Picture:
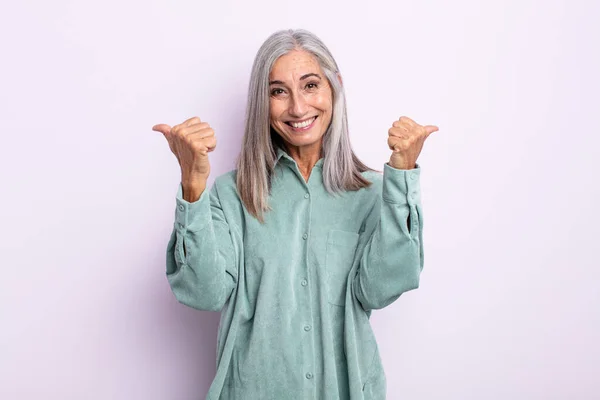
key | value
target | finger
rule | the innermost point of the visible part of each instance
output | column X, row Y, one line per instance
column 207, row 145
column 408, row 121
column 196, row 128
column 398, row 132
column 395, row 145
column 191, row 121
column 401, row 127
column 429, row 129
column 162, row 128
column 211, row 143
column 200, row 133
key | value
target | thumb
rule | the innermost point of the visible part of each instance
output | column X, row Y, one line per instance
column 430, row 129
column 162, row 128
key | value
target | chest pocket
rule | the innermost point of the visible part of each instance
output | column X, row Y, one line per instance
column 341, row 246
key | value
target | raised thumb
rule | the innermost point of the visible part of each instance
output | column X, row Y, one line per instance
column 430, row 129
column 162, row 128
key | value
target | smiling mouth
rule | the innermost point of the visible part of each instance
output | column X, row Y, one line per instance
column 303, row 126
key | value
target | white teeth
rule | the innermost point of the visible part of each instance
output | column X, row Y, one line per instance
column 302, row 124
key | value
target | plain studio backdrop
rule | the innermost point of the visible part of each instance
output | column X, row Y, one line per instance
column 509, row 301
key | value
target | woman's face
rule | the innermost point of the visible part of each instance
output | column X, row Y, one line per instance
column 300, row 100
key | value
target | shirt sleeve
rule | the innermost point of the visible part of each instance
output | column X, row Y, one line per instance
column 392, row 259
column 201, row 264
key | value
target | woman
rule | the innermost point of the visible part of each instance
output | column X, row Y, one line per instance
column 301, row 241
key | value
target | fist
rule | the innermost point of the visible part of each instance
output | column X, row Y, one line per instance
column 406, row 139
column 190, row 141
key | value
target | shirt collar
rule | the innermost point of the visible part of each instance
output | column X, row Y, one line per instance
column 287, row 158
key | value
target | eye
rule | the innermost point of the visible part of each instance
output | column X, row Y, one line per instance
column 275, row 92
column 312, row 85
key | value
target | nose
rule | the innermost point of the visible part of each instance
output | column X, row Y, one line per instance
column 297, row 106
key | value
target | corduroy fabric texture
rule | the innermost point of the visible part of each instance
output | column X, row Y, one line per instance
column 296, row 293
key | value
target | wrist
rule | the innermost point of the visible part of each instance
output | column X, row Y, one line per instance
column 401, row 165
column 192, row 190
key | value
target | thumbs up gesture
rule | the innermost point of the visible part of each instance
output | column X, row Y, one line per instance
column 406, row 139
column 190, row 141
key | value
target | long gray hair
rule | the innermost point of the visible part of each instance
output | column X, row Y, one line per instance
column 255, row 164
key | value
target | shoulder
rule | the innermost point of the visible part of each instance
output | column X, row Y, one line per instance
column 226, row 182
column 226, row 179
column 376, row 179
column 366, row 196
column 225, row 187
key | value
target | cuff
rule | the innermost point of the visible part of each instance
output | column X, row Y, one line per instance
column 401, row 186
column 192, row 216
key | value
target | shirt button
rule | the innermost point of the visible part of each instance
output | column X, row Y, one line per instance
column 305, row 236
column 307, row 328
column 309, row 375
column 306, row 195
column 181, row 226
column 181, row 207
column 304, row 282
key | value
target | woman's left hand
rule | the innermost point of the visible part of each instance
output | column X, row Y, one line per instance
column 406, row 139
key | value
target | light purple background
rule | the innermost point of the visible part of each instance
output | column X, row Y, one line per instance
column 509, row 303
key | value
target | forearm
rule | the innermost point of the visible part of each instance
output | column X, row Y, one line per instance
column 392, row 259
column 200, row 257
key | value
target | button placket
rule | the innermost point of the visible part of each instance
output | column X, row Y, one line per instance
column 307, row 338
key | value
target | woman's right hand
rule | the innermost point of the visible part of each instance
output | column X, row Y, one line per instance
column 191, row 141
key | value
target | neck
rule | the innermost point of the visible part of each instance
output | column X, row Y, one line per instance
column 305, row 156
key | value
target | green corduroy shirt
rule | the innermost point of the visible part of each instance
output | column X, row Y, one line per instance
column 296, row 293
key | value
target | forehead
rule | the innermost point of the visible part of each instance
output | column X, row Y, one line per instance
column 293, row 65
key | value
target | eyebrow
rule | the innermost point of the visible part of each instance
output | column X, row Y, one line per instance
column 301, row 78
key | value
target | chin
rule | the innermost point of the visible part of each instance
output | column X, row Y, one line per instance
column 303, row 139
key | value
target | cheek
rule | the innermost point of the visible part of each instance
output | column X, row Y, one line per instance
column 274, row 111
column 324, row 103
column 327, row 112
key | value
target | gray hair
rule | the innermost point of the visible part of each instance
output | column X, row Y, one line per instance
column 256, row 162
